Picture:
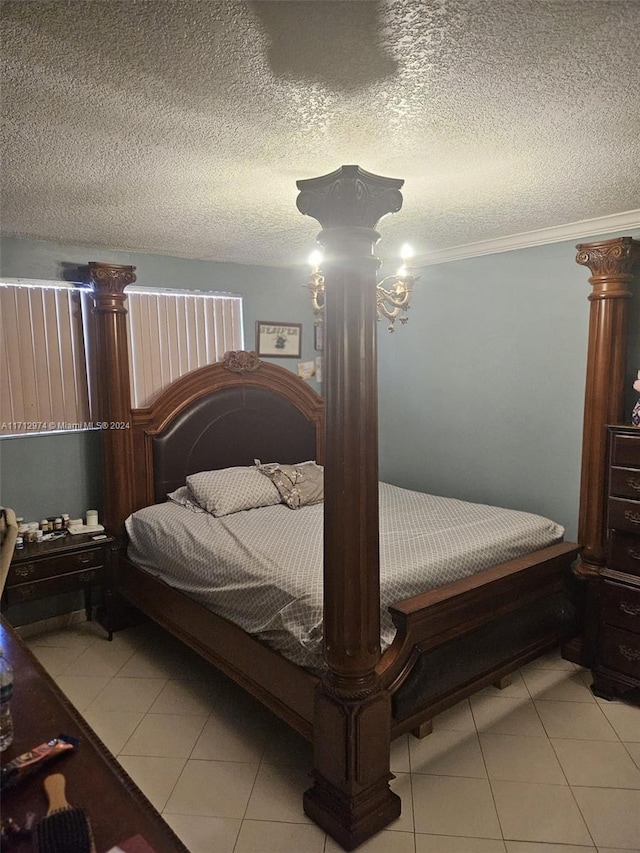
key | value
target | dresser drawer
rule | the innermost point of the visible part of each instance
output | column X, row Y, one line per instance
column 624, row 553
column 49, row 567
column 625, row 450
column 625, row 483
column 624, row 515
column 621, row 606
column 620, row 651
column 52, row 586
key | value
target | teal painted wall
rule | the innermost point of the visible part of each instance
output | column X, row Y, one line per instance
column 481, row 393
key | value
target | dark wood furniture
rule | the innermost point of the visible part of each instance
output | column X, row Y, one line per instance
column 117, row 809
column 616, row 669
column 73, row 562
column 450, row 641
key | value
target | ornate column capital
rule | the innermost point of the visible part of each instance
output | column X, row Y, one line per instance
column 349, row 197
column 612, row 264
column 109, row 282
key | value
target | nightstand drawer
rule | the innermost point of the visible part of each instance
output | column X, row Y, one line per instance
column 625, row 483
column 52, row 586
column 620, row 651
column 34, row 570
column 624, row 553
column 625, row 450
column 624, row 515
column 621, row 606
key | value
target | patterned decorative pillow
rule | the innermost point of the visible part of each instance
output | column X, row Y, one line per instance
column 183, row 497
column 232, row 490
column 299, row 485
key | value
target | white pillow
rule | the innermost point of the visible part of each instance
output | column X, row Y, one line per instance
column 232, row 490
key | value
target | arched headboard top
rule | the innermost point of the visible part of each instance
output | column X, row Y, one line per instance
column 222, row 415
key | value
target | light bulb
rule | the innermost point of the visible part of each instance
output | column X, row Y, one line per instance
column 315, row 259
column 406, row 252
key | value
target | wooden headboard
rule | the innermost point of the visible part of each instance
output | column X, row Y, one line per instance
column 222, row 415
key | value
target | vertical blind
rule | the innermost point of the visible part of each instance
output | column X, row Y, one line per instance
column 43, row 380
column 172, row 333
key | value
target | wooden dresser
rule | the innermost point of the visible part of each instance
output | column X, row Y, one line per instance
column 616, row 670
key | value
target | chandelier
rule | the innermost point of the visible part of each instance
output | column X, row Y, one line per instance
column 393, row 293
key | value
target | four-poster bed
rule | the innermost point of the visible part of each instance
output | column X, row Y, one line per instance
column 450, row 641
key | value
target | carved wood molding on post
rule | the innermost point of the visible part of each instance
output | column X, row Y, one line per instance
column 112, row 394
column 351, row 798
column 613, row 264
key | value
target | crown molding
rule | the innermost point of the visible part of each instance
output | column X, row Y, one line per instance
column 557, row 234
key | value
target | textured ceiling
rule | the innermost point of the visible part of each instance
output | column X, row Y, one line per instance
column 181, row 126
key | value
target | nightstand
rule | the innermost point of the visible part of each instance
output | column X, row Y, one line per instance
column 70, row 563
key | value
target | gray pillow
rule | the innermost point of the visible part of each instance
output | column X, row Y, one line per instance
column 232, row 490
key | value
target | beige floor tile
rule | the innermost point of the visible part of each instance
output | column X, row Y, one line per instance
column 128, row 694
column 166, row 735
column 185, row 696
column 552, row 684
column 634, row 751
column 534, row 812
column 521, row 759
column 205, row 834
column 229, row 735
column 261, row 836
column 114, row 728
column 552, row 660
column 600, row 763
column 384, row 842
column 155, row 777
column 618, row 850
column 506, row 716
column 448, row 753
column 453, row 844
column 579, row 720
column 285, row 746
column 402, row 785
column 625, row 719
column 101, row 658
column 81, row 690
column 277, row 794
column 74, row 637
column 457, row 718
column 444, row 805
column 535, row 847
column 516, row 690
column 400, row 754
column 612, row 815
column 146, row 664
column 56, row 660
column 213, row 789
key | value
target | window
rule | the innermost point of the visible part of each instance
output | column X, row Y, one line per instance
column 43, row 379
column 172, row 332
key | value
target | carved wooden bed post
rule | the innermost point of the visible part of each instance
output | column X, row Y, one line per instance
column 112, row 404
column 612, row 264
column 351, row 798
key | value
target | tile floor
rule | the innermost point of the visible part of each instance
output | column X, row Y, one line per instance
column 540, row 767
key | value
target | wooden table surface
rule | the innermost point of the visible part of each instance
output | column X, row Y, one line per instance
column 116, row 808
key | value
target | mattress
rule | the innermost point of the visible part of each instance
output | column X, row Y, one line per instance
column 262, row 568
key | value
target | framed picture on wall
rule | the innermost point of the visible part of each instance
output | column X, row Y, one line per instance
column 280, row 340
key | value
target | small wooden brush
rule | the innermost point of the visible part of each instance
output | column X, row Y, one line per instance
column 64, row 829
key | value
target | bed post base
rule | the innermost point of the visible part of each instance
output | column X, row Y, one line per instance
column 351, row 799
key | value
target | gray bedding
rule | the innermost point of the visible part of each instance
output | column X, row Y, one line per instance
column 262, row 568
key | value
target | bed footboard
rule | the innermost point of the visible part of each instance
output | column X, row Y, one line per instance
column 455, row 640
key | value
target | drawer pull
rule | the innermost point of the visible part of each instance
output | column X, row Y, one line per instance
column 26, row 571
column 630, row 609
column 634, row 483
column 635, row 555
column 84, row 559
column 633, row 517
column 629, row 653
column 26, row 591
